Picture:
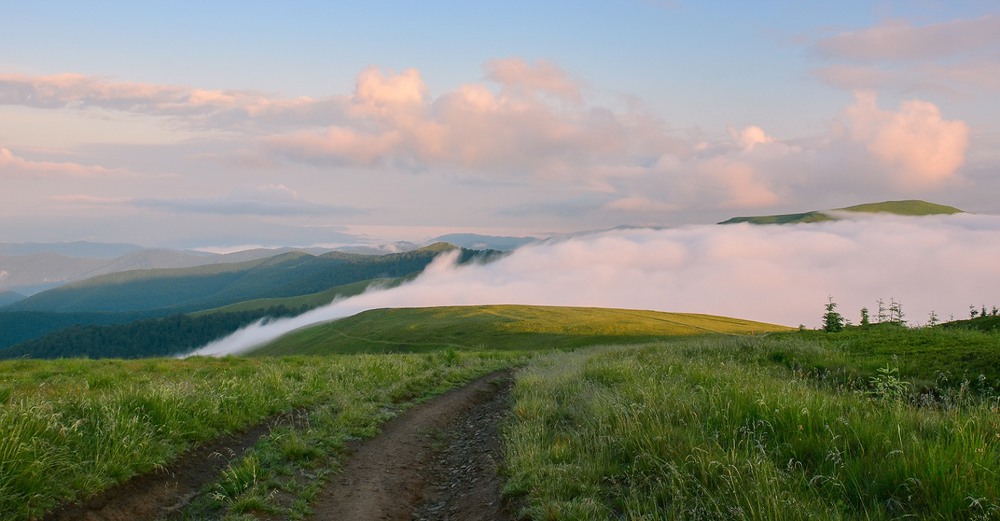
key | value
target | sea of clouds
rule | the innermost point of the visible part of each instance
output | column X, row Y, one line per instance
column 777, row 274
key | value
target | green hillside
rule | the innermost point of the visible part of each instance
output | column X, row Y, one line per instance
column 311, row 300
column 205, row 287
column 499, row 328
column 9, row 297
column 911, row 207
column 21, row 326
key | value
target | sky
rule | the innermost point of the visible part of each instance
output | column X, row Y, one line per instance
column 222, row 124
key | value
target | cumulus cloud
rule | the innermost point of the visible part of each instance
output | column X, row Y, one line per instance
column 748, row 137
column 869, row 153
column 391, row 120
column 777, row 274
column 531, row 123
column 954, row 56
column 16, row 166
column 916, row 143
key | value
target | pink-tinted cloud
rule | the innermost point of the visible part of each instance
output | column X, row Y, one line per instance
column 954, row 57
column 748, row 137
column 390, row 120
column 15, row 166
column 916, row 143
column 187, row 106
column 898, row 40
column 869, row 154
column 544, row 77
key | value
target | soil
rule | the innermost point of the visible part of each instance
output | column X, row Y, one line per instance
column 437, row 461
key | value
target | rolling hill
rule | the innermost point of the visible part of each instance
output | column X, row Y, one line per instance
column 209, row 286
column 221, row 298
column 31, row 271
column 911, row 207
column 499, row 327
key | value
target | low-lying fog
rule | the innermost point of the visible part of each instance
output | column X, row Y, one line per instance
column 778, row 274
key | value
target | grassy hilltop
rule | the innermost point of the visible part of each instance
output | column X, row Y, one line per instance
column 912, row 207
column 500, row 328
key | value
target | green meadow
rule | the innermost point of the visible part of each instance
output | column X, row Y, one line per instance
column 616, row 414
column 725, row 428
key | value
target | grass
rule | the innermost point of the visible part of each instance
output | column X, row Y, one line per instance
column 726, row 428
column 500, row 328
column 914, row 207
column 619, row 414
column 70, row 428
column 930, row 357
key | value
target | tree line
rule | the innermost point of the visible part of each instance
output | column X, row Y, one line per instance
column 166, row 336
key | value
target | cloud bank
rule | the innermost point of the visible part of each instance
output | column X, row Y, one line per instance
column 533, row 123
column 778, row 274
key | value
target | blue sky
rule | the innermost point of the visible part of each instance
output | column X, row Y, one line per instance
column 229, row 123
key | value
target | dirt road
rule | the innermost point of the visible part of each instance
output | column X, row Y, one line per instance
column 437, row 461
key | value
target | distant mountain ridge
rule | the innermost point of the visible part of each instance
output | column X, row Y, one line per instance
column 294, row 281
column 910, row 207
column 213, row 285
column 30, row 268
column 10, row 297
column 34, row 272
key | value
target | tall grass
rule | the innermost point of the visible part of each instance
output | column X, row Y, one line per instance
column 73, row 427
column 713, row 429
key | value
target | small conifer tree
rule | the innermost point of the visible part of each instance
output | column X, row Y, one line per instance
column 832, row 321
column 865, row 319
column 896, row 313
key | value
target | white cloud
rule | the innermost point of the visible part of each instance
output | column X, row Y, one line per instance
column 916, row 143
column 778, row 274
column 748, row 137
